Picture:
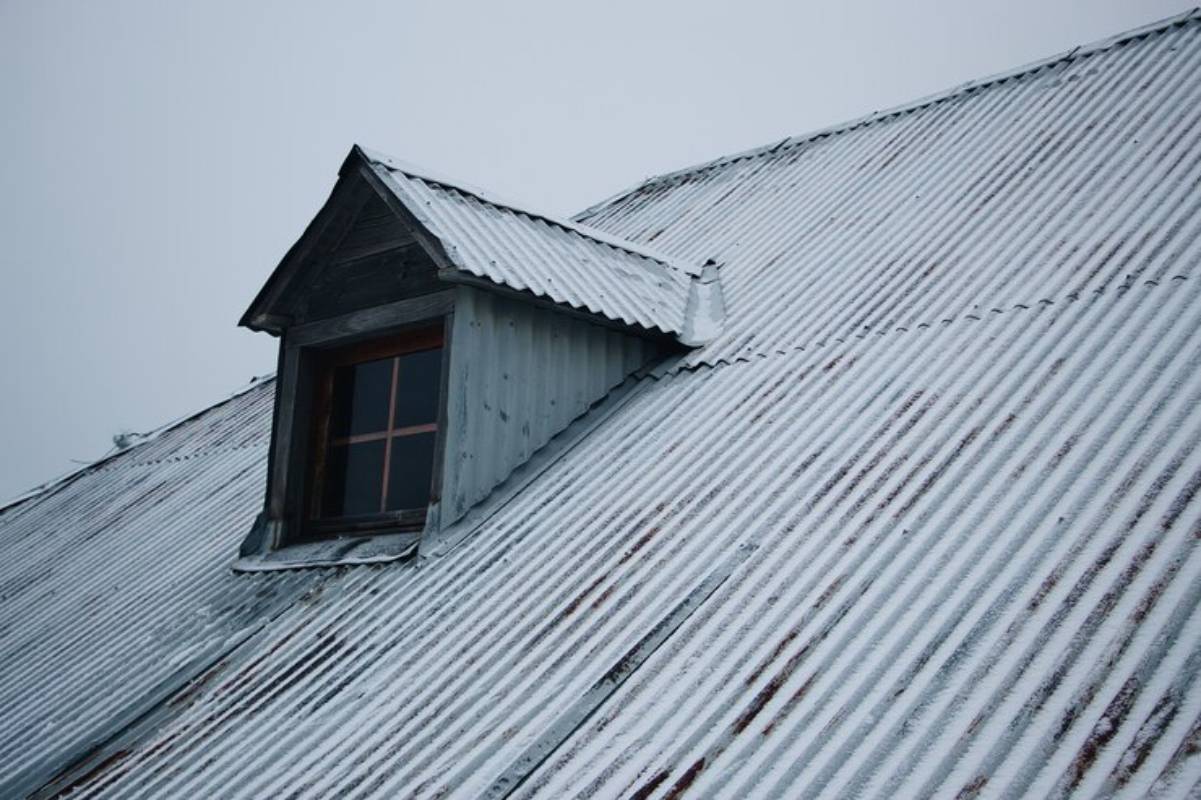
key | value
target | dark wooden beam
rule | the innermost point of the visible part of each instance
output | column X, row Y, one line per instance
column 284, row 433
column 371, row 321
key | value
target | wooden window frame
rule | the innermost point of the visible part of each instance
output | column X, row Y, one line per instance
column 303, row 346
column 314, row 524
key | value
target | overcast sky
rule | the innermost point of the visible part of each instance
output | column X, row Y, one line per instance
column 160, row 157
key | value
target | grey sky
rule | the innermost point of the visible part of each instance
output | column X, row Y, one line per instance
column 161, row 157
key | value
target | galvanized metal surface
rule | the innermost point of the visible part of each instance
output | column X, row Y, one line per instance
column 980, row 571
column 977, row 568
column 115, row 585
column 1073, row 177
column 555, row 259
column 960, row 467
column 519, row 375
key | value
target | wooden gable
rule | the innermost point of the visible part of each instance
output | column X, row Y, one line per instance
column 357, row 253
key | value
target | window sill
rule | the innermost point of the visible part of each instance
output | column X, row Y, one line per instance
column 346, row 551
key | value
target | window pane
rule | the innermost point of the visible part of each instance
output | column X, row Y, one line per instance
column 417, row 388
column 360, row 401
column 353, row 477
column 410, row 471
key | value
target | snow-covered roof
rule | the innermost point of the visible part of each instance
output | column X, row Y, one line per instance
column 922, row 519
column 548, row 257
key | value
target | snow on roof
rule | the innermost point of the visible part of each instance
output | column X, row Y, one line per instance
column 552, row 258
column 923, row 520
column 954, row 93
column 1004, row 194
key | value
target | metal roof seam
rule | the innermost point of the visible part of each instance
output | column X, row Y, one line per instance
column 577, row 714
column 199, row 453
column 690, row 364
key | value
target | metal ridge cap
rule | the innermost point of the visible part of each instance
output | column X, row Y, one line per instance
column 953, row 92
column 428, row 176
column 433, row 176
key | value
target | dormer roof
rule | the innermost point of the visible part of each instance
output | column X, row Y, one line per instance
column 475, row 238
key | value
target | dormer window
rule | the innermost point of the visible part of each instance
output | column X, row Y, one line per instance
column 432, row 340
column 376, row 431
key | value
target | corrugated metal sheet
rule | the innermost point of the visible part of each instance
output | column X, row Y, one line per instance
column 115, row 585
column 555, row 259
column 941, row 539
column 976, row 570
column 980, row 570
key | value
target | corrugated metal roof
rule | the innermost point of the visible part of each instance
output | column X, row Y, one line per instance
column 115, row 584
column 556, row 259
column 976, row 568
column 1072, row 177
column 984, row 566
column 923, row 521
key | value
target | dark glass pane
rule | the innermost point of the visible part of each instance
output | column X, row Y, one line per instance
column 354, row 477
column 360, row 401
column 417, row 388
column 410, row 472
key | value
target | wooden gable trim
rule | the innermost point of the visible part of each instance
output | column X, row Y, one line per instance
column 319, row 239
column 359, row 181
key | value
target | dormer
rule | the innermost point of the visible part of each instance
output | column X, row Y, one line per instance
column 432, row 338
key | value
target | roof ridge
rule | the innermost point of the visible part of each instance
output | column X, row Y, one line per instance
column 570, row 225
column 959, row 90
column 105, row 461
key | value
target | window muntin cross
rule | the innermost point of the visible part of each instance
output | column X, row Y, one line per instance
column 379, row 430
